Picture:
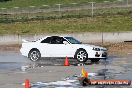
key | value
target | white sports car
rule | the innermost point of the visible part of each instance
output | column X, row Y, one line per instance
column 58, row 46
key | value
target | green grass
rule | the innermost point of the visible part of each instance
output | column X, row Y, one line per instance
column 24, row 17
column 115, row 23
column 27, row 3
column 104, row 20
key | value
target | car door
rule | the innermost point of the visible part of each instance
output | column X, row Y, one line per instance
column 44, row 46
column 56, row 48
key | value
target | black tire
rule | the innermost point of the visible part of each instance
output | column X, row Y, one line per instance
column 81, row 55
column 34, row 55
column 94, row 60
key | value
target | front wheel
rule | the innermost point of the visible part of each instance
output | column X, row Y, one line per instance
column 34, row 55
column 81, row 56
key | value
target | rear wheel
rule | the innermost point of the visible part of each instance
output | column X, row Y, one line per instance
column 81, row 55
column 34, row 55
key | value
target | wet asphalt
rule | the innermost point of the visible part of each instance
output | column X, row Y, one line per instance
column 16, row 62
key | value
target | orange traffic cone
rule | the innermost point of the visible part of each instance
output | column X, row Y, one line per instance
column 84, row 74
column 66, row 63
column 27, row 84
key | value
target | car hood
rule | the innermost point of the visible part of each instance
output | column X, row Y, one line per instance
column 91, row 46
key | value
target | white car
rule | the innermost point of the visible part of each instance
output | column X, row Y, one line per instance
column 58, row 46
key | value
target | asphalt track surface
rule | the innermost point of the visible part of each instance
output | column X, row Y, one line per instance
column 14, row 62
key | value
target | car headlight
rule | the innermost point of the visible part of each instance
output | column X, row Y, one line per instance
column 96, row 49
column 104, row 49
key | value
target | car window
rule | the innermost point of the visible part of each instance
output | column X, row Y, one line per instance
column 73, row 40
column 57, row 40
column 47, row 40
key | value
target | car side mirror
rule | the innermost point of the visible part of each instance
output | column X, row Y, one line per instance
column 65, row 42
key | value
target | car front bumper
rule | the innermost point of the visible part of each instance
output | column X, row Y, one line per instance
column 101, row 54
column 98, row 54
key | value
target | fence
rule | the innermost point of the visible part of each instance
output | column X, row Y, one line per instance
column 58, row 11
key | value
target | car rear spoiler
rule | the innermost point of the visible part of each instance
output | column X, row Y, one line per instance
column 24, row 41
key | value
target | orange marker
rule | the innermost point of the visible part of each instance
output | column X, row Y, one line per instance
column 84, row 74
column 27, row 84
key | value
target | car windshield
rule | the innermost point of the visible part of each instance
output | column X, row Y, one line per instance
column 73, row 40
